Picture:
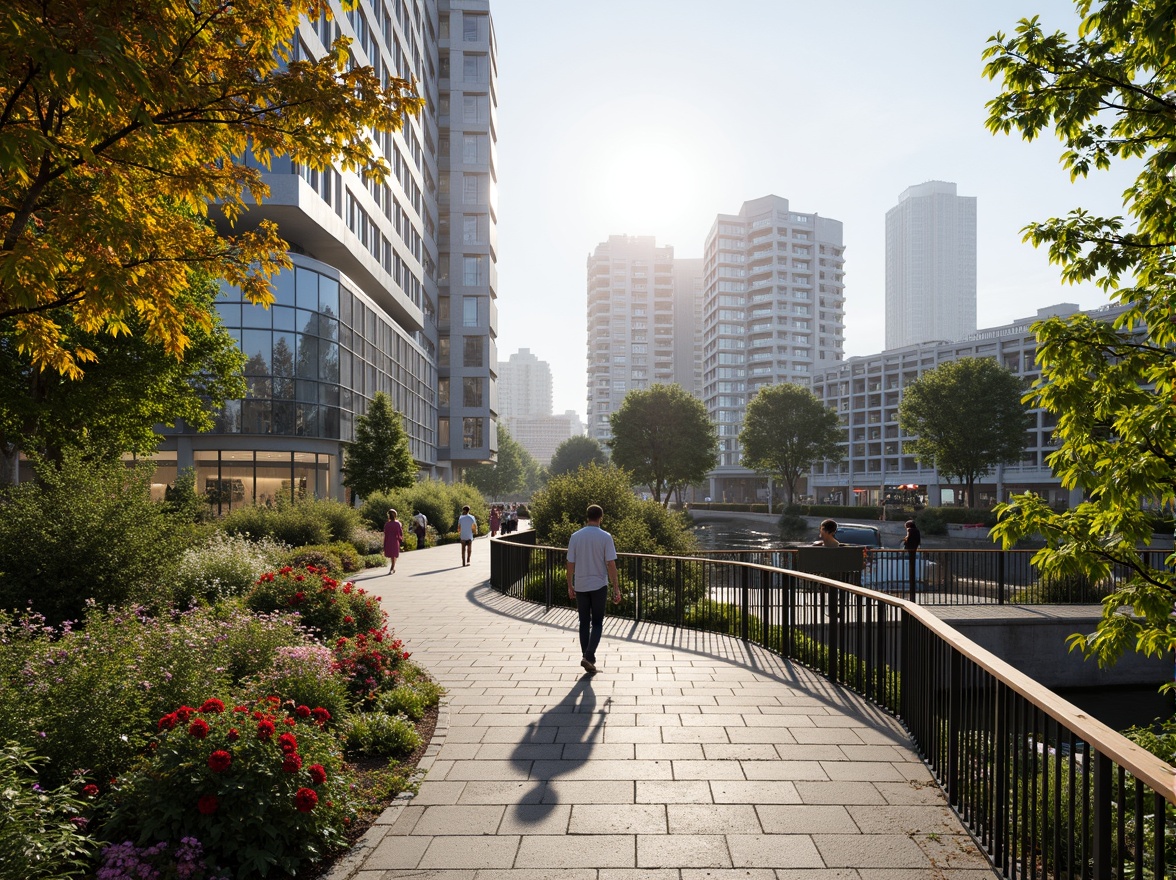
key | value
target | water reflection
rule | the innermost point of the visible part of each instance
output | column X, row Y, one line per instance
column 732, row 534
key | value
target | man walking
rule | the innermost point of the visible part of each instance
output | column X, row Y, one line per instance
column 466, row 525
column 592, row 567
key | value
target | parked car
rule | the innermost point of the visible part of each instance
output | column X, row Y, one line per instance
column 884, row 569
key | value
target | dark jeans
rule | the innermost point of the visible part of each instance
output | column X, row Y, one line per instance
column 591, row 606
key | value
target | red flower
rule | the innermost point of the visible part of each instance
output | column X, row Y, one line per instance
column 287, row 743
column 90, row 790
column 349, row 619
column 305, row 800
column 240, row 708
column 293, row 762
column 207, row 805
column 233, row 734
column 318, row 773
column 265, row 730
column 213, row 706
column 289, row 722
column 302, row 711
column 168, row 721
column 184, row 713
column 198, row 728
column 321, row 715
column 219, row 761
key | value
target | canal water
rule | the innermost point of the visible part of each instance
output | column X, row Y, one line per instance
column 1118, row 707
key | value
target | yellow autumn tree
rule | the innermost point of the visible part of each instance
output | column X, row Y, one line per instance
column 123, row 121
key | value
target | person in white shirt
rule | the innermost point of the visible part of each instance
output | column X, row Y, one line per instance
column 467, row 526
column 421, row 524
column 592, row 567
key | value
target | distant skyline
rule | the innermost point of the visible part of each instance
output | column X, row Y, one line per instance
column 651, row 117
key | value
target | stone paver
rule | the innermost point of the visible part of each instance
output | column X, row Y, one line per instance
column 689, row 756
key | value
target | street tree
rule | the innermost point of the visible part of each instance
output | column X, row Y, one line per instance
column 379, row 459
column 967, row 418
column 663, row 436
column 132, row 387
column 509, row 474
column 575, row 453
column 122, row 123
column 1108, row 95
column 787, row 428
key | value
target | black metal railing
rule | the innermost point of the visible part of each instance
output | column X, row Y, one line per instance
column 1048, row 791
column 963, row 577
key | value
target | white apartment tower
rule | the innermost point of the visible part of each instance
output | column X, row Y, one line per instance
column 930, row 266
column 524, row 387
column 633, row 323
column 773, row 311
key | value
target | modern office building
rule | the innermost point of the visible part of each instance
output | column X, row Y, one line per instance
column 524, row 387
column 773, row 311
column 393, row 286
column 635, row 323
column 930, row 266
column 866, row 392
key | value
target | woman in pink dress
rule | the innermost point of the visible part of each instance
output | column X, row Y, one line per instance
column 495, row 521
column 393, row 535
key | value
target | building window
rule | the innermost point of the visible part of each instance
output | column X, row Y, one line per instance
column 473, row 149
column 472, row 395
column 473, row 351
column 471, row 189
column 475, row 68
column 469, row 311
column 473, row 108
column 471, row 229
column 471, row 433
column 473, row 273
column 472, row 28
column 443, row 391
column 442, row 431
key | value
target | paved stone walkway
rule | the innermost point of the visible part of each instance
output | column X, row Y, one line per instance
column 687, row 756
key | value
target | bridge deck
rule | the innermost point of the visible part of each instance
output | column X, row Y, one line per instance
column 688, row 755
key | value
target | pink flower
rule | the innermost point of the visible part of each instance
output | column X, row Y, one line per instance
column 219, row 761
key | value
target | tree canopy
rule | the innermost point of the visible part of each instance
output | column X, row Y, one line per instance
column 785, row 429
column 132, row 387
column 575, row 453
column 122, row 122
column 510, row 474
column 967, row 417
column 1107, row 94
column 379, row 459
column 664, row 438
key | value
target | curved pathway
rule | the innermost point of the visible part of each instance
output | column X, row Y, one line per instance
column 687, row 756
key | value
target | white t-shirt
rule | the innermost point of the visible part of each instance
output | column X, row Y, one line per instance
column 591, row 549
column 421, row 520
column 467, row 524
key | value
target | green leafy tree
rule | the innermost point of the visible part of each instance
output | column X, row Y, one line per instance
column 132, row 387
column 123, row 123
column 1108, row 95
column 379, row 459
column 664, row 438
column 506, row 476
column 967, row 416
column 785, row 429
column 575, row 453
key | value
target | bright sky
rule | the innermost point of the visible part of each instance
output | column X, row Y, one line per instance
column 650, row 117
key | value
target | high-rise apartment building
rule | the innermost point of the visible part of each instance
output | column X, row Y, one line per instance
column 634, row 323
column 393, row 285
column 930, row 265
column 524, row 387
column 542, row 435
column 773, row 311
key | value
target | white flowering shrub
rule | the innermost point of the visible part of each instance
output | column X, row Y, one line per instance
column 228, row 565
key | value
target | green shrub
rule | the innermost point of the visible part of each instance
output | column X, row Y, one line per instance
column 368, row 541
column 342, row 520
column 297, row 524
column 320, row 557
column 930, row 521
column 305, row 675
column 374, row 560
column 261, row 791
column 38, row 837
column 408, row 700
column 227, row 565
column 379, row 735
column 86, row 530
column 332, row 609
column 636, row 526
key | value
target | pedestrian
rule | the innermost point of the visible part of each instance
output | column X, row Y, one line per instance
column 420, row 527
column 495, row 520
column 393, row 535
column 913, row 537
column 828, row 535
column 467, row 526
column 592, row 567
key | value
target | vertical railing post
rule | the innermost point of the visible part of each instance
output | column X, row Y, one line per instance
column 1002, row 587
column 679, row 595
column 955, row 709
column 745, row 578
column 1102, row 818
